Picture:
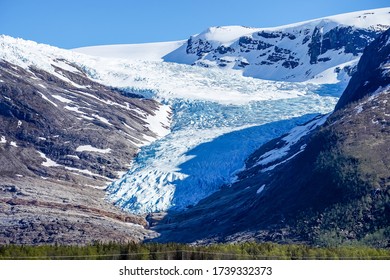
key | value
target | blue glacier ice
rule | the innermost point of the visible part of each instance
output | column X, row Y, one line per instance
column 208, row 145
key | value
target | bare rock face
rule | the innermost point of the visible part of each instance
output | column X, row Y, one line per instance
column 372, row 74
column 38, row 211
column 63, row 138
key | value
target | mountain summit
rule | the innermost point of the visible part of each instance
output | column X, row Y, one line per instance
column 319, row 50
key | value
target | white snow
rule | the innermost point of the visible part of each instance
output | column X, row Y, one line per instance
column 360, row 19
column 289, row 140
column 102, row 119
column 160, row 122
column 259, row 64
column 74, row 109
column 160, row 80
column 260, row 190
column 331, row 76
column 149, row 51
column 73, row 156
column 2, row 140
column 87, row 118
column 89, row 148
column 85, row 171
column 47, row 99
column 62, row 99
column 302, row 148
column 65, row 66
column 13, row 144
column 226, row 35
column 48, row 162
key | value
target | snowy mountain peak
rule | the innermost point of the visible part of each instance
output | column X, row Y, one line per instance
column 225, row 35
column 314, row 50
column 323, row 50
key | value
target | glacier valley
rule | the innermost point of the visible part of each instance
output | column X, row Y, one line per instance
column 208, row 144
column 214, row 114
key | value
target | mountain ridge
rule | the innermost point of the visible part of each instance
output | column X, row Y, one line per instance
column 295, row 52
column 286, row 52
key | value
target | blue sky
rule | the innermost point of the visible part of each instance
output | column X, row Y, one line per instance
column 76, row 23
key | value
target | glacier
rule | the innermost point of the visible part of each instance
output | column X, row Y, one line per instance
column 208, row 145
column 217, row 118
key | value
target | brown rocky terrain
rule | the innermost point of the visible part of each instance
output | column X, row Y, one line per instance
column 63, row 138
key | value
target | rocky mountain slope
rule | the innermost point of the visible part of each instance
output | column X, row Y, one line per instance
column 63, row 138
column 324, row 183
column 320, row 49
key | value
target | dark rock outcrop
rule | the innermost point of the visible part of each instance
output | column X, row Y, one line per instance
column 372, row 72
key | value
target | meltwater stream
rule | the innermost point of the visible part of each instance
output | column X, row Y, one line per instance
column 208, row 145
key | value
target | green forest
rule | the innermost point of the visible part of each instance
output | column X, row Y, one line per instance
column 173, row 251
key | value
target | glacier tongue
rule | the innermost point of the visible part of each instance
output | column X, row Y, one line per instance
column 219, row 118
column 208, row 144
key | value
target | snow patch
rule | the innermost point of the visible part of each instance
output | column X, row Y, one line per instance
column 302, row 148
column 102, row 119
column 89, row 148
column 289, row 140
column 87, row 172
column 73, row 156
column 48, row 162
column 62, row 99
column 74, row 109
column 260, row 190
column 65, row 66
column 47, row 99
column 160, row 122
